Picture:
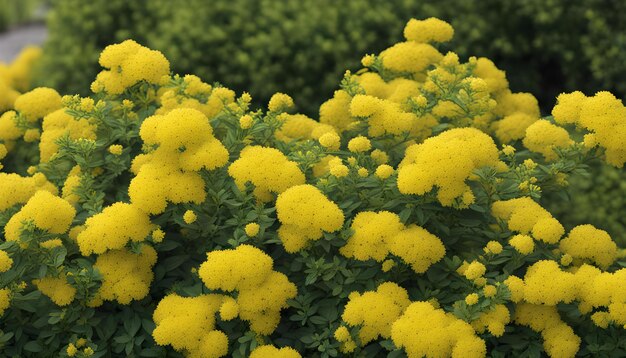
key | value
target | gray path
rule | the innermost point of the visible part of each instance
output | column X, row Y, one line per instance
column 13, row 41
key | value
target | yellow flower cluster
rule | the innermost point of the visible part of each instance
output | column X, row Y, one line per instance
column 9, row 131
column 603, row 115
column 185, row 145
column 126, row 276
column 273, row 352
column 57, row 288
column 543, row 137
column 197, row 95
column 267, row 169
column 589, row 243
column 280, row 102
column 129, row 63
column 428, row 30
column 188, row 324
column 374, row 312
column 15, row 77
column 5, row 261
column 252, row 229
column 546, row 285
column 15, row 189
column 424, row 331
column 525, row 216
column 446, row 162
column 113, row 228
column 5, row 300
column 262, row 292
column 189, row 217
column 301, row 127
column 58, row 124
column 415, row 55
column 493, row 320
column 305, row 214
column 376, row 235
column 559, row 338
column 383, row 116
column 47, row 212
column 37, row 103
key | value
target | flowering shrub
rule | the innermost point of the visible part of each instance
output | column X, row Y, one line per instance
column 164, row 216
column 303, row 46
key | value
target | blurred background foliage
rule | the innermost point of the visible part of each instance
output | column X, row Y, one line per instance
column 15, row 12
column 302, row 47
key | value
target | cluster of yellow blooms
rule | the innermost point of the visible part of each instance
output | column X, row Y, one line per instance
column 184, row 144
column 559, row 338
column 195, row 94
column 543, row 137
column 602, row 115
column 425, row 331
column 58, row 124
column 46, row 211
column 374, row 312
column 113, row 228
column 30, row 108
column 15, row 189
column 117, row 284
column 525, row 216
column 15, row 77
column 305, row 214
column 188, row 324
column 446, row 162
column 261, row 291
column 267, row 351
column 269, row 170
column 376, row 235
column 128, row 64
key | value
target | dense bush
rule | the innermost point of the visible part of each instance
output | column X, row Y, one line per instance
column 303, row 47
column 13, row 12
column 163, row 216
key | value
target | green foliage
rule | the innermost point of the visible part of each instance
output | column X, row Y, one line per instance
column 14, row 12
column 303, row 46
column 598, row 199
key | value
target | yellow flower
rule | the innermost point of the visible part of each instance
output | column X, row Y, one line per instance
column 474, row 270
column 429, row 30
column 305, row 214
column 116, row 149
column 37, row 103
column 471, row 299
column 489, row 290
column 330, row 140
column 71, row 350
column 189, row 217
column 158, row 235
column 273, row 352
column 252, row 229
column 57, row 288
column 359, row 144
column 456, row 152
column 129, row 63
column 5, row 261
column 280, row 102
column 493, row 247
column 524, row 244
column 245, row 122
column 384, row 171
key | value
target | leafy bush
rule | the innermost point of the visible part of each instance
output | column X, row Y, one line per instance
column 15, row 12
column 163, row 216
column 303, row 47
